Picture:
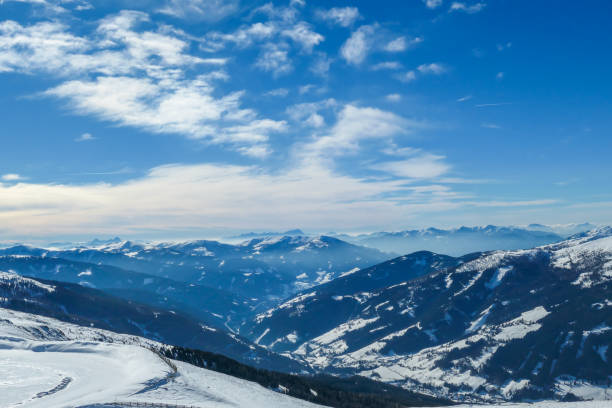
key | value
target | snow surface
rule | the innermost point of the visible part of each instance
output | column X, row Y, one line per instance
column 47, row 363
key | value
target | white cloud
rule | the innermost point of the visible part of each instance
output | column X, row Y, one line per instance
column 356, row 124
column 200, row 10
column 138, row 78
column 85, row 137
column 397, row 45
column 282, row 24
column 492, row 105
column 304, row 89
column 285, row 15
column 144, row 103
column 391, row 65
column 425, row 166
column 179, row 107
column 433, row 68
column 55, row 6
column 460, row 6
column 258, row 151
column 309, row 112
column 488, row 125
column 500, row 75
column 315, row 120
column 256, row 132
column 209, row 195
column 11, row 177
column 432, row 4
column 342, row 16
column 115, row 48
column 402, row 44
column 393, row 97
column 408, row 76
column 321, row 64
column 358, row 45
column 242, row 37
column 40, row 47
column 302, row 34
column 464, row 98
column 274, row 58
column 281, row 92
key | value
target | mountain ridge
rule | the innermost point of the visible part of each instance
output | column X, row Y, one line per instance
column 461, row 331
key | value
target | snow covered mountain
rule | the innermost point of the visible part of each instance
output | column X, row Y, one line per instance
column 48, row 363
column 503, row 325
column 460, row 241
column 90, row 307
column 260, row 271
column 213, row 305
column 302, row 314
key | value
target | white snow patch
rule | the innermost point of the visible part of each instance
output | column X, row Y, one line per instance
column 352, row 271
column 497, row 277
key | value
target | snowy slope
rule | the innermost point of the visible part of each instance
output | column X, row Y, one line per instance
column 85, row 306
column 48, row 363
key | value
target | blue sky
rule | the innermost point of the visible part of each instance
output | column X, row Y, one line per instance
column 193, row 118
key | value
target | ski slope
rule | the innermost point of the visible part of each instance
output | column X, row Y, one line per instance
column 37, row 369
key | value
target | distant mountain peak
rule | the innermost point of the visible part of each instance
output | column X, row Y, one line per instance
column 248, row 235
column 99, row 242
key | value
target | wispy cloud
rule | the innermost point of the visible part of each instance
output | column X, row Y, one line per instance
column 281, row 92
column 200, row 196
column 342, row 16
column 199, row 10
column 433, row 68
column 390, row 65
column 85, row 137
column 563, row 183
column 140, row 78
column 310, row 113
column 274, row 58
column 492, row 105
column 470, row 9
column 393, row 97
column 11, row 177
column 425, row 166
column 357, row 47
column 432, row 4
column 402, row 44
column 354, row 125
column 408, row 76
column 303, row 34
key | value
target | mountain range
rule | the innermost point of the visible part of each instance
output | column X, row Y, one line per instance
column 220, row 282
column 485, row 326
column 463, row 240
